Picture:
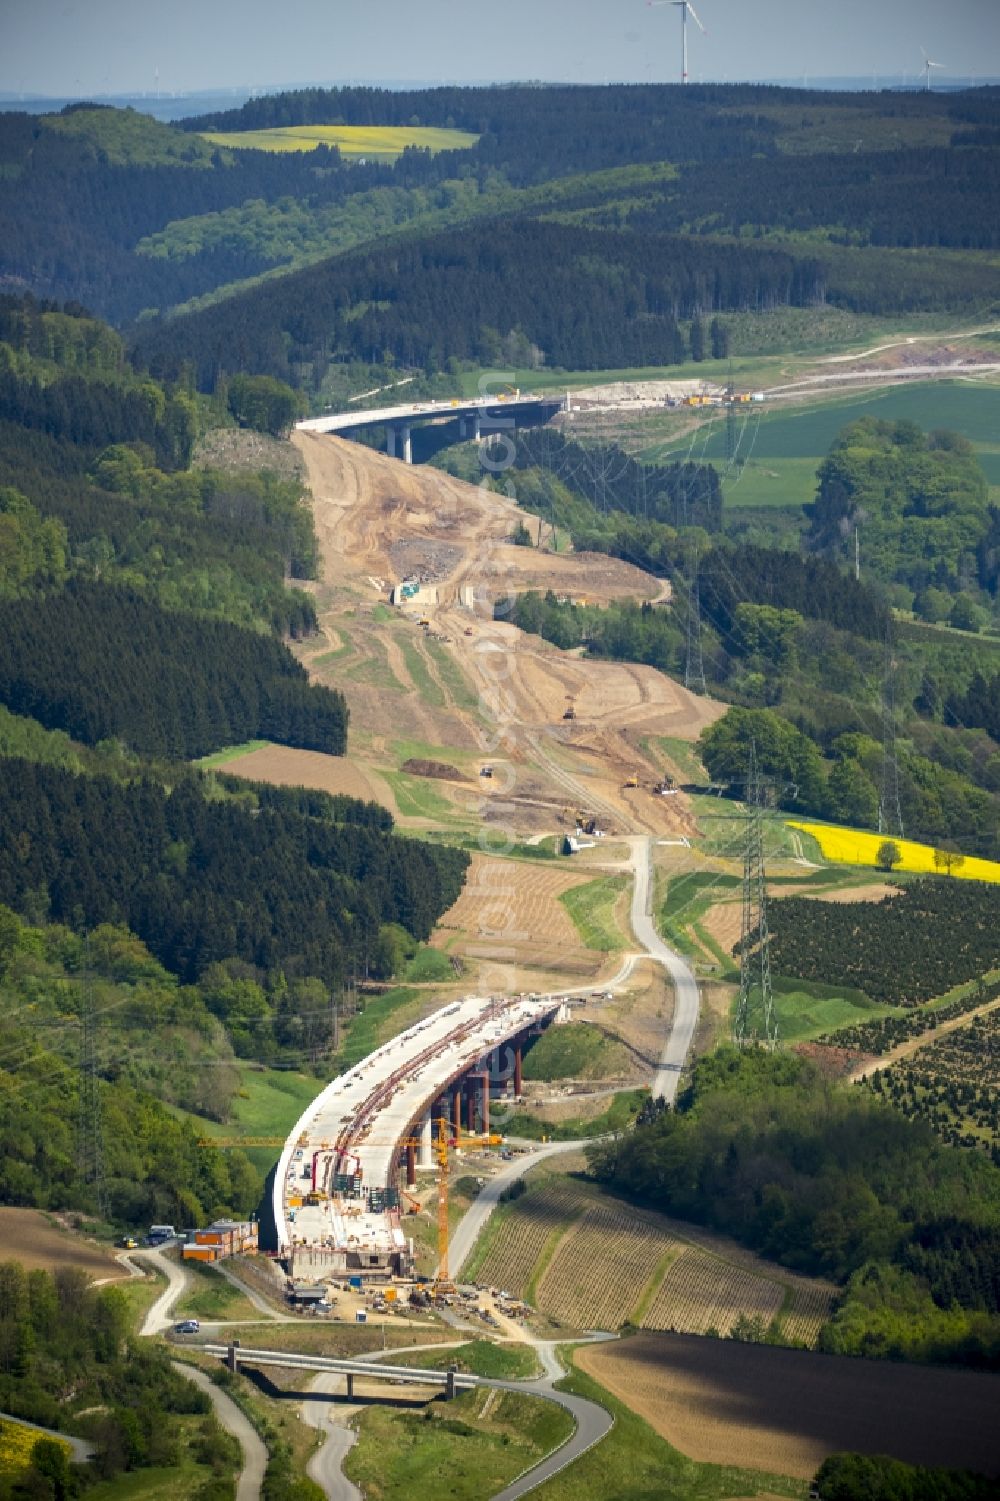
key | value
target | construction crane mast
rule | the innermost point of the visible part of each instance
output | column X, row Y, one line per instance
column 442, row 1160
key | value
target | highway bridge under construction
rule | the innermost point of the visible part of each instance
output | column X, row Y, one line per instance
column 337, row 1192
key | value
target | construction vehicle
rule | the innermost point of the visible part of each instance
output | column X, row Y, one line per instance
column 632, row 780
column 469, row 631
column 665, row 787
column 570, row 711
column 486, row 771
column 424, row 621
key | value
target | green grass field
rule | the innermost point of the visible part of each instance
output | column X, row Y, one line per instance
column 467, row 1449
column 783, row 448
column 231, row 753
column 373, row 142
column 592, row 908
column 480, row 1357
column 212, row 1297
column 575, row 1051
column 802, row 1016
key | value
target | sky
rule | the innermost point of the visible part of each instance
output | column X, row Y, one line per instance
column 94, row 47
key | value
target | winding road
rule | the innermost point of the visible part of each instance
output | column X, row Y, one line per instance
column 686, row 1001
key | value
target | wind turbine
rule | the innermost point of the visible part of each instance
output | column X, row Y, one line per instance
column 928, row 65
column 683, row 6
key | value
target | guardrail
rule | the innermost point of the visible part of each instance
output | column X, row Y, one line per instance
column 235, row 1355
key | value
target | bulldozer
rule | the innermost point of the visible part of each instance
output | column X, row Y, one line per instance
column 570, row 711
column 632, row 780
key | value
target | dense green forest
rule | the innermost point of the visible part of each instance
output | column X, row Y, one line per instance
column 202, row 919
column 781, row 193
column 846, row 1477
column 104, row 663
column 831, row 1182
column 70, row 1363
column 78, row 456
column 204, row 880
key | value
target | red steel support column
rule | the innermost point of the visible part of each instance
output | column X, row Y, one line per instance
column 485, row 1076
column 411, row 1164
column 517, row 1070
column 470, row 1106
column 456, row 1107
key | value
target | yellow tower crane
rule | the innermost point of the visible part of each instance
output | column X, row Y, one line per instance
column 442, row 1159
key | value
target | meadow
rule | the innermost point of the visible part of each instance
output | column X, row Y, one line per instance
column 780, row 449
column 373, row 142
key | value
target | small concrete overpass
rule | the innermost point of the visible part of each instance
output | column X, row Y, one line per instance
column 482, row 413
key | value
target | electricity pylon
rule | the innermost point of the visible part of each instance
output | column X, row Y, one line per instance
column 756, row 1022
column 90, row 1139
column 694, row 667
column 890, row 817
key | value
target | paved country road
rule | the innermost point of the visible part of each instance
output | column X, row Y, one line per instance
column 234, row 1421
column 686, row 1000
column 231, row 1418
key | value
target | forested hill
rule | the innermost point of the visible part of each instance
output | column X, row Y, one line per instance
column 203, row 880
column 135, row 219
column 588, row 299
column 104, row 663
column 828, row 1181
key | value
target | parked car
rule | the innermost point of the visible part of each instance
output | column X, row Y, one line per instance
column 187, row 1326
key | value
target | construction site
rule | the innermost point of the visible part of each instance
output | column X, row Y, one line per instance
column 354, row 1157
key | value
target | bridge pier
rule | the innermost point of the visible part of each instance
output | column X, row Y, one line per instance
column 407, row 444
column 232, row 1359
column 449, row 1389
column 426, row 1158
column 390, row 441
column 350, row 1386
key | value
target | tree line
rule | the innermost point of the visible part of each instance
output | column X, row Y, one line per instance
column 936, row 196
column 830, row 1182
column 202, row 881
column 102, row 662
column 588, row 299
column 72, row 1362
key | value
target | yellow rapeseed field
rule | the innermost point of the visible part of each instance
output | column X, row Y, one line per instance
column 16, row 1444
column 860, row 847
column 384, row 142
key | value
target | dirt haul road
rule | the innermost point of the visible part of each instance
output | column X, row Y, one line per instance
column 470, row 683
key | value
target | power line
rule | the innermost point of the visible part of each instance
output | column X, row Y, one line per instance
column 890, row 818
column 90, row 1126
column 694, row 667
column 756, row 1022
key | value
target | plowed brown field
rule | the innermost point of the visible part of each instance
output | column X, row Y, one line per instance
column 286, row 767
column 28, row 1237
column 785, row 1410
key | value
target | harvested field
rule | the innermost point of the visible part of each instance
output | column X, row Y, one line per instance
column 510, row 911
column 785, row 1410
column 286, row 767
column 26, row 1235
